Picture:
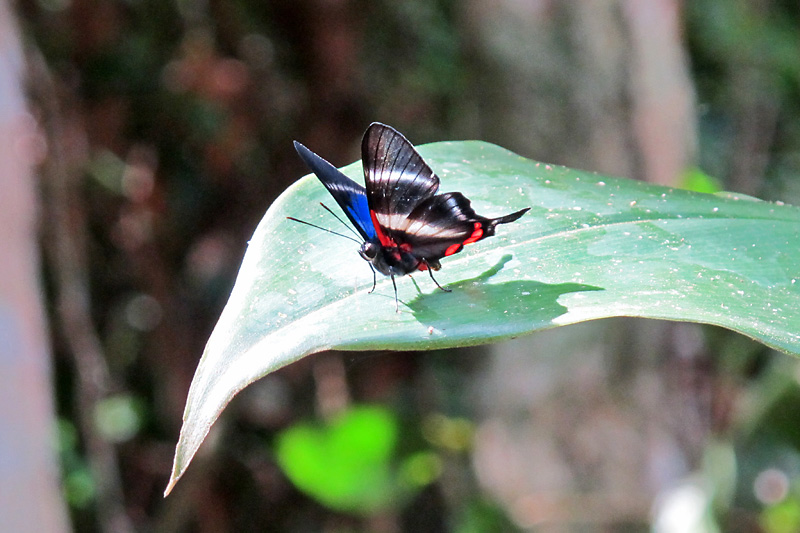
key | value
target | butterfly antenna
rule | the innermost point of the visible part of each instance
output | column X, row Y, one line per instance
column 337, row 217
column 324, row 229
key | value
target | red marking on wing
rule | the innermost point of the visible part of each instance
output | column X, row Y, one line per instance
column 405, row 247
column 477, row 234
column 422, row 266
column 382, row 237
column 453, row 248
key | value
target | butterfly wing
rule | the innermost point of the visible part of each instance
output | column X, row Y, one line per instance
column 405, row 209
column 398, row 179
column 350, row 196
column 442, row 225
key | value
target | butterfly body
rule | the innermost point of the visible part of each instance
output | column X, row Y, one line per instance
column 404, row 224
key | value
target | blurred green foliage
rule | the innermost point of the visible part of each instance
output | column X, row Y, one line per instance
column 348, row 464
column 78, row 485
column 696, row 180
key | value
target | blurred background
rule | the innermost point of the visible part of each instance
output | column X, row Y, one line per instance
column 142, row 140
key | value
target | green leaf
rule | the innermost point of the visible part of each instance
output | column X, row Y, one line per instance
column 695, row 179
column 346, row 464
column 783, row 517
column 591, row 247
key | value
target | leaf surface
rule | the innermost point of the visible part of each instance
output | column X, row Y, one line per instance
column 591, row 247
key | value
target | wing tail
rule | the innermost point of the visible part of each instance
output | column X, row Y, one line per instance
column 492, row 223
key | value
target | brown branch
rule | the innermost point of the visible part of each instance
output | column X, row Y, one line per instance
column 64, row 231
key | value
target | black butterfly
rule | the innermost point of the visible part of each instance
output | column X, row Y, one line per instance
column 404, row 224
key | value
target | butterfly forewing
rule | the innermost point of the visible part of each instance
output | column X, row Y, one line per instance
column 350, row 196
column 398, row 179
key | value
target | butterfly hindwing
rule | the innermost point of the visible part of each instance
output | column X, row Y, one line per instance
column 350, row 196
column 442, row 225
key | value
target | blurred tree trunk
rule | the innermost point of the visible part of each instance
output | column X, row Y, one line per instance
column 595, row 85
column 608, row 89
column 30, row 497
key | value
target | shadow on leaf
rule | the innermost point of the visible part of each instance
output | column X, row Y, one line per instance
column 515, row 303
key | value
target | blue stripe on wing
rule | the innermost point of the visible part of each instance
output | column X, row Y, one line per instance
column 358, row 212
column 350, row 196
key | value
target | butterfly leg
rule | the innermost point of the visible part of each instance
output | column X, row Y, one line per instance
column 374, row 279
column 437, row 283
column 396, row 302
column 430, row 271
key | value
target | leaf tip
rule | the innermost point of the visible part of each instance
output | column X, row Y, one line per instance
column 176, row 474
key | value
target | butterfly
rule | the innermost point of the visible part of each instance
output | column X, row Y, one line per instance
column 403, row 224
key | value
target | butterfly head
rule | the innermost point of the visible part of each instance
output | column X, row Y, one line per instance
column 369, row 251
column 390, row 261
